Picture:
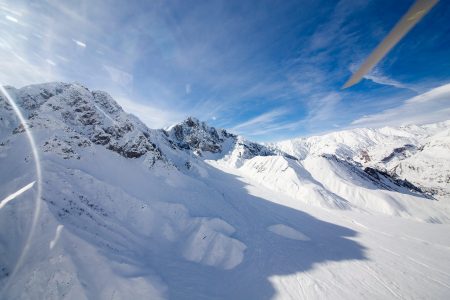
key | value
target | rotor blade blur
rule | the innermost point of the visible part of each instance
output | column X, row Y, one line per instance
column 415, row 13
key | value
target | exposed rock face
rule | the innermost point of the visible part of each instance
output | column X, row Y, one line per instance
column 198, row 137
column 402, row 152
column 84, row 117
column 365, row 157
column 194, row 135
column 382, row 176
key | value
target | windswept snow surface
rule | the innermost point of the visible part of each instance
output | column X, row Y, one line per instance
column 198, row 213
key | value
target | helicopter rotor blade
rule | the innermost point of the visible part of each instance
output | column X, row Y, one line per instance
column 415, row 13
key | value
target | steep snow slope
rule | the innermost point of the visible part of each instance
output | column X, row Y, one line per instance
column 198, row 213
column 290, row 177
column 371, row 195
column 329, row 182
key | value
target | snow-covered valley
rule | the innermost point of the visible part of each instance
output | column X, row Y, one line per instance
column 194, row 212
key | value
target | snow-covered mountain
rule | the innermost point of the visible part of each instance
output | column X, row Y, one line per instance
column 197, row 140
column 195, row 212
column 418, row 154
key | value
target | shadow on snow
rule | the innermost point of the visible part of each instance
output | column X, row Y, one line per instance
column 267, row 254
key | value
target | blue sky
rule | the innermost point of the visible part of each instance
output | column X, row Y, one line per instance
column 269, row 70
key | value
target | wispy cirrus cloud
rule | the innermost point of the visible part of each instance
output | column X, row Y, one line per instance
column 378, row 77
column 156, row 117
column 323, row 108
column 432, row 106
column 118, row 76
column 79, row 43
column 259, row 121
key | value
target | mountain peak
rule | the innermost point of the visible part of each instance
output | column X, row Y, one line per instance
column 192, row 134
column 74, row 117
column 191, row 121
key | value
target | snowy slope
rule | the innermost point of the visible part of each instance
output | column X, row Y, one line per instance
column 290, row 177
column 329, row 182
column 415, row 153
column 194, row 212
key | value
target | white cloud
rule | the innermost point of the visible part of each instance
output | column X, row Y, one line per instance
column 79, row 43
column 12, row 19
column 21, row 72
column 263, row 131
column 323, row 108
column 377, row 77
column 118, row 76
column 261, row 120
column 153, row 117
column 320, row 110
column 429, row 107
column 62, row 58
column 50, row 62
